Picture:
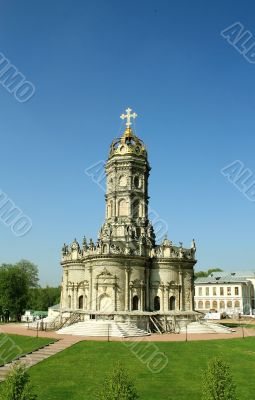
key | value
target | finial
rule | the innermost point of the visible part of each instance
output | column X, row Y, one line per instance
column 128, row 117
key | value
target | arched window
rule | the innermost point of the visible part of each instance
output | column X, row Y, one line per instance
column 136, row 208
column 80, row 302
column 69, row 301
column 123, row 208
column 156, row 303
column 237, row 304
column 200, row 305
column 136, row 182
column 207, row 304
column 222, row 304
column 229, row 304
column 172, row 303
column 135, row 303
column 215, row 305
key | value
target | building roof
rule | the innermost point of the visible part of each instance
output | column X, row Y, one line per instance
column 227, row 277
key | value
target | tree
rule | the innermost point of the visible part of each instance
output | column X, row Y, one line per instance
column 17, row 385
column 31, row 270
column 205, row 274
column 14, row 291
column 43, row 298
column 118, row 386
column 218, row 382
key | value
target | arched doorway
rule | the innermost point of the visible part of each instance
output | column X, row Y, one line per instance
column 135, row 303
column 105, row 303
column 156, row 303
column 80, row 302
column 172, row 303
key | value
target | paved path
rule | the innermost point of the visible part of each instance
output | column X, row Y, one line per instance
column 38, row 355
column 20, row 329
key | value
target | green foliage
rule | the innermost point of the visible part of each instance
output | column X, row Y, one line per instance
column 31, row 271
column 14, row 291
column 205, row 274
column 118, row 386
column 218, row 382
column 42, row 298
column 19, row 290
column 17, row 385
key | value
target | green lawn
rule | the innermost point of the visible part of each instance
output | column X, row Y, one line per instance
column 76, row 373
column 13, row 346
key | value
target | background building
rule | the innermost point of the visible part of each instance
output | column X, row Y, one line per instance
column 226, row 292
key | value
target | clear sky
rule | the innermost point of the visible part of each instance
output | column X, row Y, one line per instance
column 195, row 97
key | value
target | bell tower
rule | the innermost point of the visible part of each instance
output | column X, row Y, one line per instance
column 127, row 171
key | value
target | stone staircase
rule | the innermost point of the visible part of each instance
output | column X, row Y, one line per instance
column 103, row 328
column 205, row 327
column 39, row 355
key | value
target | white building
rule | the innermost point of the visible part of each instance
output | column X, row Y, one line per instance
column 225, row 292
column 125, row 272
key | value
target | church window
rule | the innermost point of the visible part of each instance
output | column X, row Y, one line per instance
column 123, row 208
column 156, row 303
column 69, row 301
column 80, row 302
column 123, row 181
column 172, row 303
column 136, row 208
column 135, row 303
column 136, row 182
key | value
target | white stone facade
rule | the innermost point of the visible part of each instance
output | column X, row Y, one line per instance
column 125, row 271
column 224, row 293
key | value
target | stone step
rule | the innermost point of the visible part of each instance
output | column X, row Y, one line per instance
column 102, row 329
column 39, row 355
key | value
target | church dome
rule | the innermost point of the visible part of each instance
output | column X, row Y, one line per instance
column 129, row 143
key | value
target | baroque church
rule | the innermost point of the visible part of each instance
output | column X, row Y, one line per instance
column 126, row 275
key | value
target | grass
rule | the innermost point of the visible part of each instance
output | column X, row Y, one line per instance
column 76, row 373
column 13, row 346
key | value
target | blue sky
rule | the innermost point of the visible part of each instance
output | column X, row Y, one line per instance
column 195, row 97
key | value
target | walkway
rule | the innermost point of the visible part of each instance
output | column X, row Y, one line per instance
column 20, row 329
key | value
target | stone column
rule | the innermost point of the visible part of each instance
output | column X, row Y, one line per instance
column 127, row 272
column 76, row 298
column 180, row 291
column 142, row 297
column 96, row 305
column 115, row 294
column 130, row 296
column 147, row 288
column 73, row 299
column 90, row 288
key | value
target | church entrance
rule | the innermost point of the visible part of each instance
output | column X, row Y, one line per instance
column 172, row 303
column 80, row 302
column 156, row 303
column 135, row 303
column 105, row 303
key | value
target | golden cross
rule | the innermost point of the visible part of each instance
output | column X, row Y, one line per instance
column 128, row 116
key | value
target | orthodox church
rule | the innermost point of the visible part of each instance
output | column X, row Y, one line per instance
column 125, row 275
